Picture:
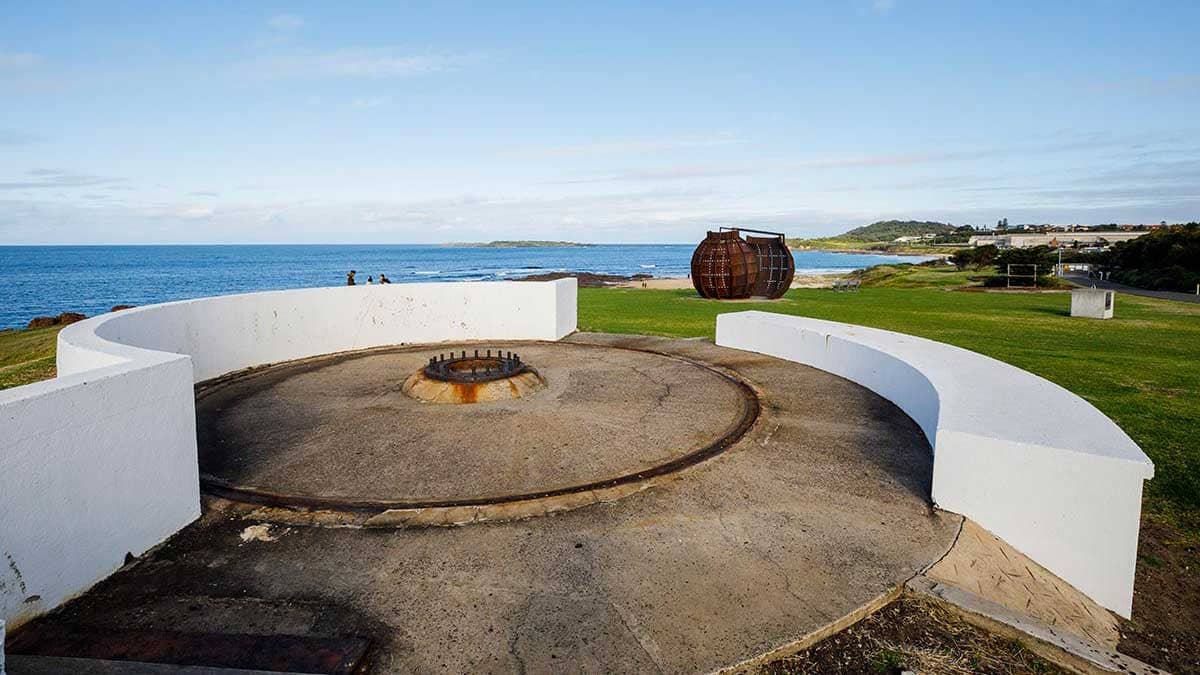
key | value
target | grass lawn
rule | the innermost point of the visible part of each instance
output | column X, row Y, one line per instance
column 1141, row 368
column 27, row 355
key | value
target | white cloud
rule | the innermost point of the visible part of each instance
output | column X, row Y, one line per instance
column 194, row 212
column 285, row 22
column 627, row 147
column 780, row 167
column 17, row 60
column 56, row 178
column 1146, row 144
column 355, row 62
column 658, row 215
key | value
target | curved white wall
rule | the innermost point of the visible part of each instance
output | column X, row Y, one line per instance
column 1030, row 461
column 101, row 461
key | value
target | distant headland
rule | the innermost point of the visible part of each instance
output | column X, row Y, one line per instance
column 534, row 243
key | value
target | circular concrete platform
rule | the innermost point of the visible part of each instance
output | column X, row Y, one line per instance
column 818, row 513
column 337, row 433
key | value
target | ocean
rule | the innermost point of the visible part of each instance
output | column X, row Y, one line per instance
column 48, row 280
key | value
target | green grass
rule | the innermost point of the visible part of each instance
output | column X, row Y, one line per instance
column 908, row 275
column 919, row 276
column 27, row 356
column 1140, row 368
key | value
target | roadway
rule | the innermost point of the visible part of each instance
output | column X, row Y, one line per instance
column 1083, row 280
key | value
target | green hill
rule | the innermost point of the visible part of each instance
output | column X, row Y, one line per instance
column 888, row 230
column 881, row 236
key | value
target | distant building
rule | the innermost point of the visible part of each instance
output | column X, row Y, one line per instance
column 1076, row 239
column 915, row 237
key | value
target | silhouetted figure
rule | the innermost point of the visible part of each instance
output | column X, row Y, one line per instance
column 370, row 280
column 350, row 278
column 383, row 279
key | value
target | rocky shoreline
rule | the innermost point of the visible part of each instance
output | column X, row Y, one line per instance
column 589, row 279
column 66, row 318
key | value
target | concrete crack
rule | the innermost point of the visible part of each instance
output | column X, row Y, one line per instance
column 515, row 637
column 637, row 638
column 761, row 555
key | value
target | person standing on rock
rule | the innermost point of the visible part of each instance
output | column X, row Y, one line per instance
column 350, row 278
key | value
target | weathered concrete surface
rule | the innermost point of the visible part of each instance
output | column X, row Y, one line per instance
column 1064, row 648
column 341, row 427
column 821, row 507
column 987, row 566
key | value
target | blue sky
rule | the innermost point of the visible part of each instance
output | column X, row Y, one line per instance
column 608, row 122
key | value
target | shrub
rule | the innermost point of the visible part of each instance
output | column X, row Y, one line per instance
column 974, row 258
column 1161, row 260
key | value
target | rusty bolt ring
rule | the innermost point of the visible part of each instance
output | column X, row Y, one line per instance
column 219, row 487
column 493, row 368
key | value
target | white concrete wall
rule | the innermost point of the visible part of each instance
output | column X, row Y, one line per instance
column 231, row 332
column 1030, row 461
column 101, row 461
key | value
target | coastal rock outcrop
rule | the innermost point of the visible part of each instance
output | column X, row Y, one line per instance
column 61, row 320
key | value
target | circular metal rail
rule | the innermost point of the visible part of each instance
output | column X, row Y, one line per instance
column 470, row 369
column 751, row 408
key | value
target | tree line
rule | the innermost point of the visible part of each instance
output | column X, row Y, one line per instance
column 1160, row 260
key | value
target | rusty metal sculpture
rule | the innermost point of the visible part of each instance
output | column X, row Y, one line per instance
column 724, row 266
column 727, row 267
column 776, row 267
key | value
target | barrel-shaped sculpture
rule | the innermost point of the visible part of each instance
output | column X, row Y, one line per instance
column 775, row 266
column 724, row 266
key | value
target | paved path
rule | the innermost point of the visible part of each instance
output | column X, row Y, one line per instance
column 1082, row 280
column 820, row 509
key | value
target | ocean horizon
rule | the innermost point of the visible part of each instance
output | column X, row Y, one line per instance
column 91, row 279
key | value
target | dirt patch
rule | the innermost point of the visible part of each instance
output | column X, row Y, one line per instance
column 1165, row 630
column 913, row 635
